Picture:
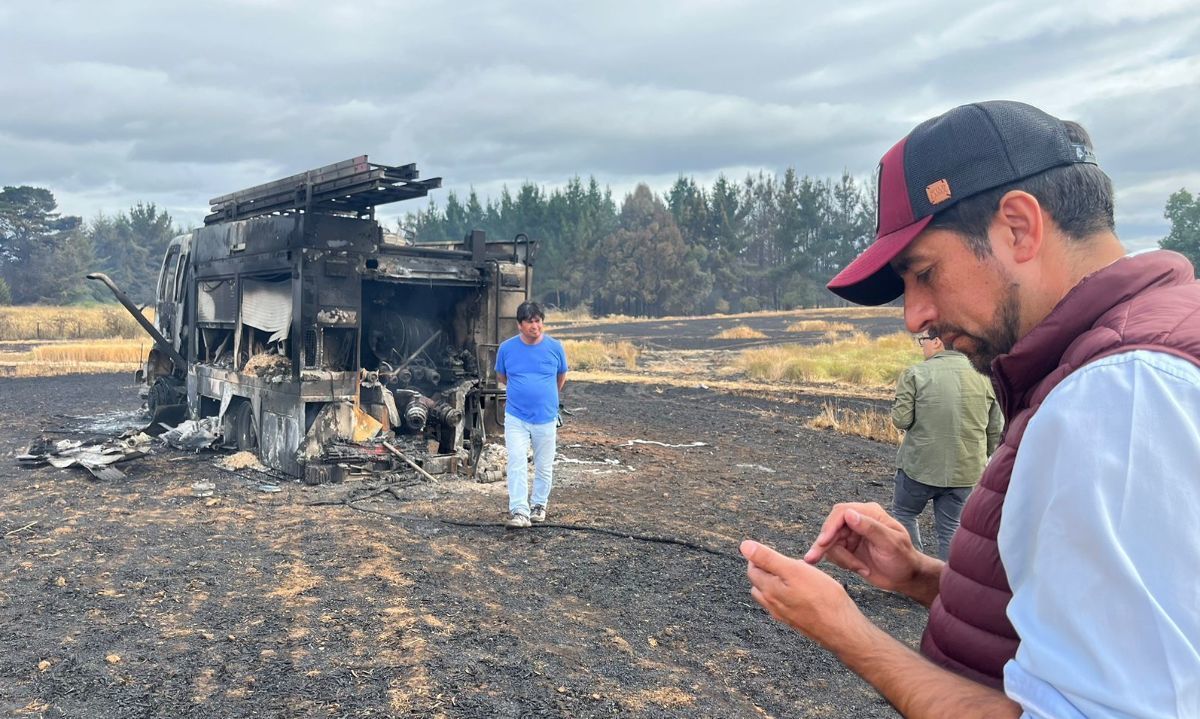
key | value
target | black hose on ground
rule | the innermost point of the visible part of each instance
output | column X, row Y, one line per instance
column 544, row 526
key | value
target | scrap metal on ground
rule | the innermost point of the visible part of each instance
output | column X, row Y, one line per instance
column 96, row 456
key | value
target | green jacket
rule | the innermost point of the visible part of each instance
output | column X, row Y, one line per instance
column 950, row 418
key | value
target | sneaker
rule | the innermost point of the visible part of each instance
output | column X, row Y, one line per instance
column 517, row 520
column 538, row 514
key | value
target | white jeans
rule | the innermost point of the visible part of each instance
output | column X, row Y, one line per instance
column 518, row 436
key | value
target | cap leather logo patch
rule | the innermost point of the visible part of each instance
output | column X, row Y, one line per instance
column 937, row 192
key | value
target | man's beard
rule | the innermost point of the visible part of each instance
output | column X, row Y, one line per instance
column 995, row 340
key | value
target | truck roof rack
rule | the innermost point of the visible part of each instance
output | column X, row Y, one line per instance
column 352, row 187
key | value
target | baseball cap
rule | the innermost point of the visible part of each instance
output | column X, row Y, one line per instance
column 944, row 160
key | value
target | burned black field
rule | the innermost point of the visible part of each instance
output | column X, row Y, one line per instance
column 133, row 598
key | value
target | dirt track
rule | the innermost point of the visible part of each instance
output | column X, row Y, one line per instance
column 148, row 602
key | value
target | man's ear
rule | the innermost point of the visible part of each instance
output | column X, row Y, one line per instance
column 1021, row 226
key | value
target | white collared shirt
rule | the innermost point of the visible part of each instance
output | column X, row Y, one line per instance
column 1100, row 539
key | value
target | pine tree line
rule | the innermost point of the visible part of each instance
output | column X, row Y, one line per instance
column 44, row 254
column 767, row 242
column 764, row 243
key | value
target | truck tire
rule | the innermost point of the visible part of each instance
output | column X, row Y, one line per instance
column 243, row 432
column 164, row 392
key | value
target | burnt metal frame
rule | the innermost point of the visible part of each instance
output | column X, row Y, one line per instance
column 353, row 186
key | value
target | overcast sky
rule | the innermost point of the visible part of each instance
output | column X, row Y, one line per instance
column 113, row 103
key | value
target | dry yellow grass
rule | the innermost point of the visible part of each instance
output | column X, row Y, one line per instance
column 578, row 313
column 576, row 317
column 593, row 355
column 857, row 359
column 818, row 325
column 41, row 369
column 739, row 332
column 852, row 313
column 871, row 424
column 38, row 322
column 772, row 391
column 573, row 317
column 131, row 351
column 59, row 358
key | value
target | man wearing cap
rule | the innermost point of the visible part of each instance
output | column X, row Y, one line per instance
column 1072, row 585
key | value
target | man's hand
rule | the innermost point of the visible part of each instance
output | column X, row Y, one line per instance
column 865, row 539
column 812, row 602
column 803, row 597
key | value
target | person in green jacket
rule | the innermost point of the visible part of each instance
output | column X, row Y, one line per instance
column 952, row 424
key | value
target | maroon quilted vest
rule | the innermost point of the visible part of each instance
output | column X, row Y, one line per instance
column 1147, row 301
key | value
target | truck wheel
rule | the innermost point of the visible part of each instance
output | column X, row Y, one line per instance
column 243, row 433
column 163, row 393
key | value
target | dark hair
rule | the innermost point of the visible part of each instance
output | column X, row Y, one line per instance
column 529, row 311
column 1078, row 196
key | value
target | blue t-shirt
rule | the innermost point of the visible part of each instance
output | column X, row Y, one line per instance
column 532, row 372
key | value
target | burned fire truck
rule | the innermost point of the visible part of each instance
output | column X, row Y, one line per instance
column 324, row 343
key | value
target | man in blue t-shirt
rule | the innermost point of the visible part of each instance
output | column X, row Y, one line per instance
column 534, row 367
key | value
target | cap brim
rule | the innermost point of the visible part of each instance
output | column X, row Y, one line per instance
column 870, row 279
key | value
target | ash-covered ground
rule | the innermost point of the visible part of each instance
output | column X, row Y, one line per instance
column 133, row 598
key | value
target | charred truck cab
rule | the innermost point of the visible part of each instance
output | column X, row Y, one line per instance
column 324, row 343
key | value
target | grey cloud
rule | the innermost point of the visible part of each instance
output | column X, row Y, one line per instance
column 175, row 103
